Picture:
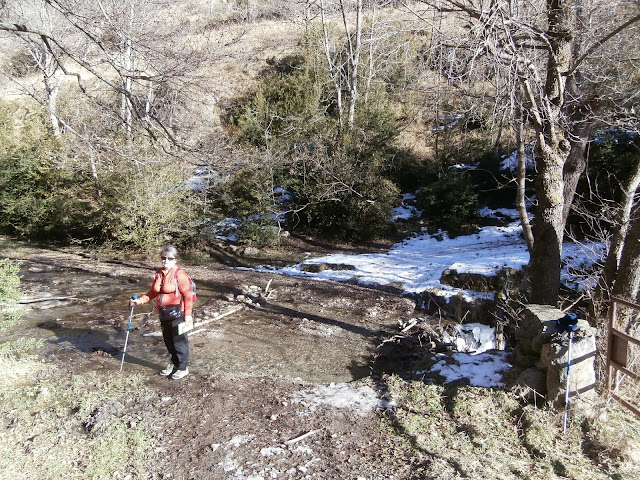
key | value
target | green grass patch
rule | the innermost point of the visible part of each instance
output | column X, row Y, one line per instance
column 10, row 310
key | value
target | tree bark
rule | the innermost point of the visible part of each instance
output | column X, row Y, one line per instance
column 332, row 69
column 628, row 278
column 581, row 108
column 354, row 59
column 552, row 151
column 621, row 235
column 521, row 181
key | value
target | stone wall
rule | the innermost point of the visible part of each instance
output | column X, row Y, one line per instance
column 546, row 352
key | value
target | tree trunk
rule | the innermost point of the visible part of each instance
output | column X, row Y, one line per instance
column 521, row 181
column 580, row 112
column 545, row 263
column 354, row 60
column 53, row 89
column 621, row 232
column 552, row 151
column 628, row 278
column 331, row 67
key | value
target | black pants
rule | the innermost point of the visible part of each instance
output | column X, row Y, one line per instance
column 177, row 346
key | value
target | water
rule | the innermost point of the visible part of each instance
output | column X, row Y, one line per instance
column 295, row 339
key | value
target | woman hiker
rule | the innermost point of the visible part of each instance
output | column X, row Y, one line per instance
column 174, row 301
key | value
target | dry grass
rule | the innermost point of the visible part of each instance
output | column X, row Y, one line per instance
column 53, row 426
column 466, row 432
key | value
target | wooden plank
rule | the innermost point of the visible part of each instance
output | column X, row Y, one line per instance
column 624, row 370
column 626, row 404
column 628, row 338
column 626, row 303
column 619, row 349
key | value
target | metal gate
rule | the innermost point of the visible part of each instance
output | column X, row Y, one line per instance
column 623, row 353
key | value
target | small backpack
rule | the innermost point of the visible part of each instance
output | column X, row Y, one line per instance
column 191, row 282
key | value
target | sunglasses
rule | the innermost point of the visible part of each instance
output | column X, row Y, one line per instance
column 168, row 258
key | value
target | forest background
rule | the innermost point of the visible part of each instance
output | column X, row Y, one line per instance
column 132, row 124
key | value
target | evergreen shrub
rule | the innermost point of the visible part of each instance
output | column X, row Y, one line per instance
column 448, row 201
column 248, row 195
column 40, row 195
column 338, row 176
column 145, row 206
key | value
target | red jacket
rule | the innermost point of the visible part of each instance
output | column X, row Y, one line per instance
column 164, row 288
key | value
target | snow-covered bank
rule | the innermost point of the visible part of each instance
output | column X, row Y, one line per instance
column 417, row 263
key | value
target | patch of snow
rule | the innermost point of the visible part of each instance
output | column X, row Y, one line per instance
column 304, row 449
column 342, row 395
column 238, row 440
column 482, row 370
column 271, row 451
column 475, row 338
column 406, row 210
column 510, row 162
column 416, row 264
column 509, row 213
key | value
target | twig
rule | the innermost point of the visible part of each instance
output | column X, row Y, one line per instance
column 410, row 325
column 302, row 437
column 200, row 324
column 222, row 315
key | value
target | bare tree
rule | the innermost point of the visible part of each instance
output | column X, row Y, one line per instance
column 112, row 47
column 357, row 45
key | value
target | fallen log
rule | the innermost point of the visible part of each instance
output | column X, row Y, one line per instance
column 232, row 310
column 43, row 299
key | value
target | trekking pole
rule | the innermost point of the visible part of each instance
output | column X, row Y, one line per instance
column 566, row 393
column 124, row 350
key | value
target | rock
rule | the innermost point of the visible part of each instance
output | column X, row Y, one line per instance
column 531, row 385
column 321, row 267
column 582, row 376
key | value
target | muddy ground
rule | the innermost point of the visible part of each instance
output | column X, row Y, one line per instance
column 222, row 423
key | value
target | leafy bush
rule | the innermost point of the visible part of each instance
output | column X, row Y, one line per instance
column 448, row 201
column 285, row 110
column 338, row 176
column 355, row 208
column 259, row 232
column 144, row 206
column 611, row 161
column 245, row 193
column 249, row 196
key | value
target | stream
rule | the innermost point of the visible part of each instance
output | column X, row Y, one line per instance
column 83, row 317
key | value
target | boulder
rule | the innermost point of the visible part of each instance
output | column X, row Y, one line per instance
column 581, row 371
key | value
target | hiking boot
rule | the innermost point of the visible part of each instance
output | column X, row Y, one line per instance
column 178, row 374
column 169, row 370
